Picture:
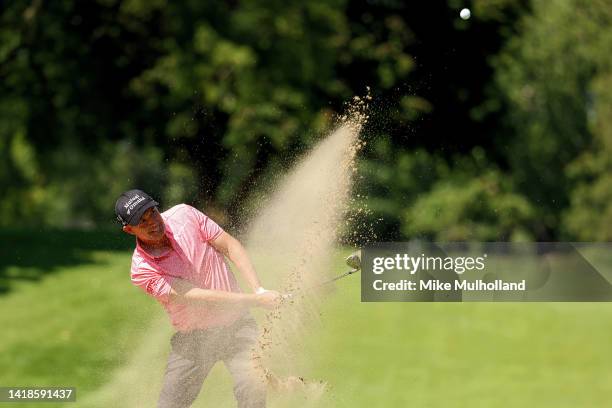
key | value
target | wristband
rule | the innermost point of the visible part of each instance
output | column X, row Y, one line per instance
column 260, row 290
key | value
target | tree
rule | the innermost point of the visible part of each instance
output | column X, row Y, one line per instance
column 554, row 78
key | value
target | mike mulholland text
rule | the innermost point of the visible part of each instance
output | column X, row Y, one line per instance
column 458, row 284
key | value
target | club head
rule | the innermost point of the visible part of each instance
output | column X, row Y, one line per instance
column 354, row 261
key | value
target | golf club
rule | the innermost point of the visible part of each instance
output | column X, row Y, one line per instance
column 354, row 261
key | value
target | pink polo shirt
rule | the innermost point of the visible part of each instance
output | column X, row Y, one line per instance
column 192, row 258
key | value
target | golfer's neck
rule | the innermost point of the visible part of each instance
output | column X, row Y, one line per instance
column 157, row 244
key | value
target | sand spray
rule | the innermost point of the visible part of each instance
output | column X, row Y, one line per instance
column 297, row 229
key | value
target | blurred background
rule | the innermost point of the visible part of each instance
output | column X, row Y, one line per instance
column 491, row 128
column 495, row 128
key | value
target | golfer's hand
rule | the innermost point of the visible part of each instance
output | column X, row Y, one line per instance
column 269, row 299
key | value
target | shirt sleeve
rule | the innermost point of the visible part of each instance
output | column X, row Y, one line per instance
column 151, row 281
column 209, row 230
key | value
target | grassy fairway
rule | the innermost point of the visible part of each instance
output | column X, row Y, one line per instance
column 69, row 314
column 464, row 355
column 78, row 321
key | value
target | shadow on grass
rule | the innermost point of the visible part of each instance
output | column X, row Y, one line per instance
column 36, row 253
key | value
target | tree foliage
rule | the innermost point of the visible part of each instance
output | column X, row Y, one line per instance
column 555, row 79
column 492, row 128
column 206, row 94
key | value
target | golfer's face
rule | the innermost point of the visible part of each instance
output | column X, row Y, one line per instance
column 151, row 226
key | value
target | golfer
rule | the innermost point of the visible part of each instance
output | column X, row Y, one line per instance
column 179, row 260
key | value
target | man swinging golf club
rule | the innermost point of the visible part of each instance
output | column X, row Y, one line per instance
column 179, row 260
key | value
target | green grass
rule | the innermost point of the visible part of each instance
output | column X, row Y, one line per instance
column 78, row 321
column 464, row 354
column 74, row 319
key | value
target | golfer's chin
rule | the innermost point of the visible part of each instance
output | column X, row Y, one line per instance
column 156, row 235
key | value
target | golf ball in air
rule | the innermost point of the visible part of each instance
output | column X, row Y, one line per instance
column 465, row 13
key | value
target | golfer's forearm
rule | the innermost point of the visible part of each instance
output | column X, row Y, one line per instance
column 212, row 297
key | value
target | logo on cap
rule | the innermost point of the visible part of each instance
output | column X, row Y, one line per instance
column 131, row 205
column 133, row 202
